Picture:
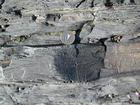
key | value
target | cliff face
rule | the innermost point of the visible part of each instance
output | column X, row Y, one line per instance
column 106, row 37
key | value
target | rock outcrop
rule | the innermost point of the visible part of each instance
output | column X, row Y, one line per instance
column 100, row 68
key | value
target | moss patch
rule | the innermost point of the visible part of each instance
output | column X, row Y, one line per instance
column 60, row 32
column 20, row 39
column 74, row 32
column 138, row 89
column 49, row 33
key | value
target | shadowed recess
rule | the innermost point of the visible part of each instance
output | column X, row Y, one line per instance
column 82, row 66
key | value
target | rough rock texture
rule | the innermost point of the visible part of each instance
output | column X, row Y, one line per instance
column 126, row 56
column 53, row 64
column 113, row 21
column 71, row 94
column 36, row 68
column 89, row 19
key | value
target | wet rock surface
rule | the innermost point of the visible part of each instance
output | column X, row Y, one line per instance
column 100, row 68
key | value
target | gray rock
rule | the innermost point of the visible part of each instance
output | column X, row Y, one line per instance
column 66, row 63
column 106, row 30
column 118, row 21
column 86, row 29
column 2, row 77
column 36, row 70
column 123, row 57
column 75, row 93
column 112, row 22
column 42, row 40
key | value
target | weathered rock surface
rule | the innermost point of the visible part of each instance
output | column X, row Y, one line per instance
column 71, row 94
column 42, row 17
column 123, row 56
column 113, row 21
column 37, row 69
column 53, row 64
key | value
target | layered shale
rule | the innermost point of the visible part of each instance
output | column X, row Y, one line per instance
column 36, row 67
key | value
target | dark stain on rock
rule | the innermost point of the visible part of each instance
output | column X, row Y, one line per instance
column 108, row 3
column 132, row 1
column 18, row 13
column 34, row 17
column 3, row 27
column 81, row 67
column 53, row 17
column 76, row 49
column 1, row 2
column 80, row 3
column 71, row 96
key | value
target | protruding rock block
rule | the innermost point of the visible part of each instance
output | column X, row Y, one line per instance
column 122, row 57
column 66, row 63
